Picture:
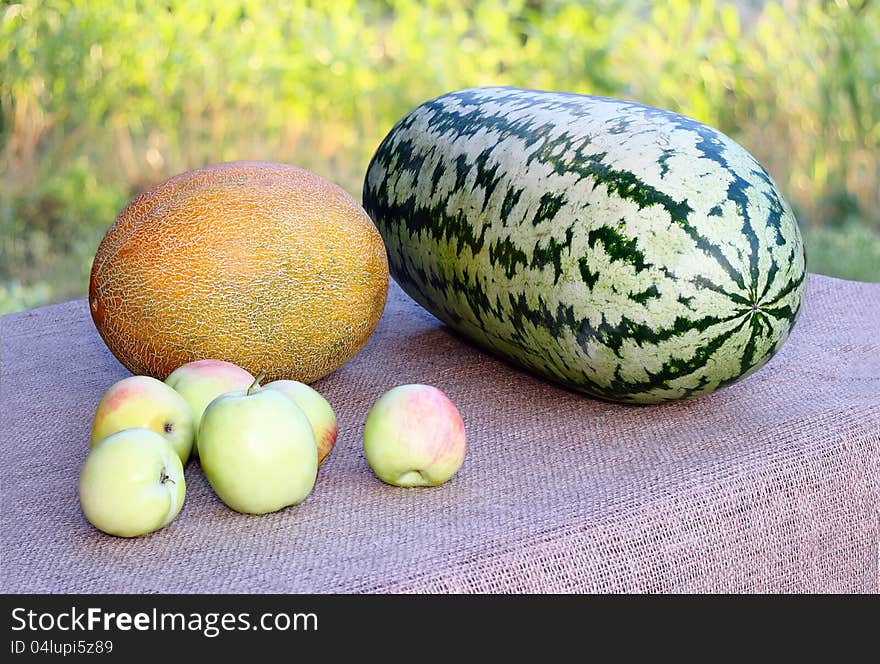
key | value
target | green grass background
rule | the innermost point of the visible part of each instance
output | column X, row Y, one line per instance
column 99, row 99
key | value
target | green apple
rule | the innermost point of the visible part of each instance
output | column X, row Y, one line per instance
column 202, row 381
column 142, row 401
column 414, row 436
column 317, row 409
column 132, row 483
column 258, row 450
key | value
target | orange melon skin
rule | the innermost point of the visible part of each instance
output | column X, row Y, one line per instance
column 264, row 265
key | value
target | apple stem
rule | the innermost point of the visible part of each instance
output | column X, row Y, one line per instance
column 256, row 383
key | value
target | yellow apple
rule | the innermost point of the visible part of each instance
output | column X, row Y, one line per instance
column 132, row 483
column 414, row 436
column 258, row 450
column 142, row 401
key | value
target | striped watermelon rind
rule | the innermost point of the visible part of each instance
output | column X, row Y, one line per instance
column 624, row 251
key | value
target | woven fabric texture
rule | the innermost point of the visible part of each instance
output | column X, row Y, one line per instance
column 771, row 485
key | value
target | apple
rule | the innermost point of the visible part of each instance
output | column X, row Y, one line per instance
column 132, row 483
column 142, row 401
column 316, row 408
column 202, row 381
column 414, row 436
column 258, row 450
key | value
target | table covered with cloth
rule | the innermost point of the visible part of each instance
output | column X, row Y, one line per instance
column 770, row 485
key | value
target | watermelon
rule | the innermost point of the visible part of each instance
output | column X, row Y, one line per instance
column 623, row 251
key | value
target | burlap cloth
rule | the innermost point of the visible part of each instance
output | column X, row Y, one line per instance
column 770, row 485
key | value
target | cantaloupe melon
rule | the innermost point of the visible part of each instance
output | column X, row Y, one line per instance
column 265, row 265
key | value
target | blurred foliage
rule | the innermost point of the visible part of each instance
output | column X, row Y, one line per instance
column 102, row 98
column 852, row 250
